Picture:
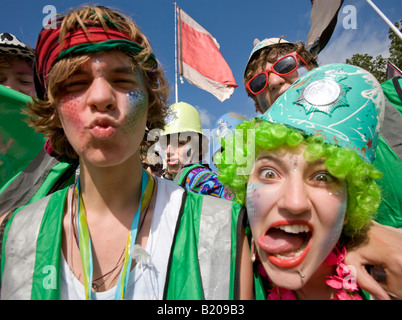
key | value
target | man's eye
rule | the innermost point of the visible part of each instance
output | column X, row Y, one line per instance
column 74, row 85
column 124, row 81
column 25, row 82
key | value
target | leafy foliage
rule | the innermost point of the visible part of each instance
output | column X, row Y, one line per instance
column 378, row 65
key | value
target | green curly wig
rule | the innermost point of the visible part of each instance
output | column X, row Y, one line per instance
column 343, row 163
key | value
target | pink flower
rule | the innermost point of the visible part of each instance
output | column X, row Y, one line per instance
column 278, row 293
column 261, row 270
column 273, row 296
column 335, row 282
column 343, row 295
column 336, row 256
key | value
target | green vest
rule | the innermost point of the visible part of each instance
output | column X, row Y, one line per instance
column 389, row 156
column 203, row 262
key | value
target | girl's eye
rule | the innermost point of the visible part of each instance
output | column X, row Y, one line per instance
column 324, row 177
column 268, row 174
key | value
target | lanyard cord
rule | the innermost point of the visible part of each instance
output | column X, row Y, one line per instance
column 85, row 239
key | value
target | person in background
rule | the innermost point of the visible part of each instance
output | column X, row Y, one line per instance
column 273, row 65
column 43, row 171
column 184, row 152
column 16, row 64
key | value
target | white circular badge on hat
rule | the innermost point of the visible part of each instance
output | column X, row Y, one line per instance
column 322, row 92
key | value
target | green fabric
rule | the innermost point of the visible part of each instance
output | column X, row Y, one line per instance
column 184, row 280
column 90, row 47
column 390, row 210
column 48, row 250
column 387, row 161
column 184, row 274
column 53, row 176
column 15, row 156
column 56, row 172
column 47, row 262
column 391, row 94
column 234, row 239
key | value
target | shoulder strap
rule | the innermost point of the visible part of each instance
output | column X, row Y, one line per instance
column 395, row 82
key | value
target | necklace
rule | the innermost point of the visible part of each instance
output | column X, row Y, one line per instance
column 85, row 247
column 107, row 275
column 344, row 281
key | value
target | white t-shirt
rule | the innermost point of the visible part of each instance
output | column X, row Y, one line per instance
column 148, row 282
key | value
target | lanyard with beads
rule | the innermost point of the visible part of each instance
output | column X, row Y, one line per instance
column 147, row 184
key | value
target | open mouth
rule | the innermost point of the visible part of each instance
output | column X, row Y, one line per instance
column 287, row 242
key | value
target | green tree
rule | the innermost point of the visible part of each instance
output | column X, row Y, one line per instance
column 395, row 49
column 378, row 65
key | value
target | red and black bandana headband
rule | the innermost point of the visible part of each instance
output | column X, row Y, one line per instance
column 49, row 51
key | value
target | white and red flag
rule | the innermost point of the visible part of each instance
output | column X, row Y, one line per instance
column 200, row 60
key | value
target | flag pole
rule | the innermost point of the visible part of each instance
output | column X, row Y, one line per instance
column 175, row 53
column 391, row 25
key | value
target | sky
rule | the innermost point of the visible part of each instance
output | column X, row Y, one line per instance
column 234, row 24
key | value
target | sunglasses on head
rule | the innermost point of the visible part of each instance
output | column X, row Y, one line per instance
column 282, row 67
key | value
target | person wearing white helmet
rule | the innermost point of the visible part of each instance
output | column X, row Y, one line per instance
column 273, row 65
column 185, row 151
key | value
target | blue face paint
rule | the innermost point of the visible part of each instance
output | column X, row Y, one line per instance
column 137, row 108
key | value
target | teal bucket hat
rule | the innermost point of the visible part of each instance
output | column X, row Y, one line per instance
column 342, row 103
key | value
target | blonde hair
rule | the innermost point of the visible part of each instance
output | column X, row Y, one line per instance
column 43, row 113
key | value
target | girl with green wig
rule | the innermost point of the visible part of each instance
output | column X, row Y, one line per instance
column 304, row 172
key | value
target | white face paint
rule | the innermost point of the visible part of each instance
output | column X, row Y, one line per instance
column 296, row 211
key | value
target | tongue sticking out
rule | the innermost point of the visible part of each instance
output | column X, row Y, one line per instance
column 277, row 241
